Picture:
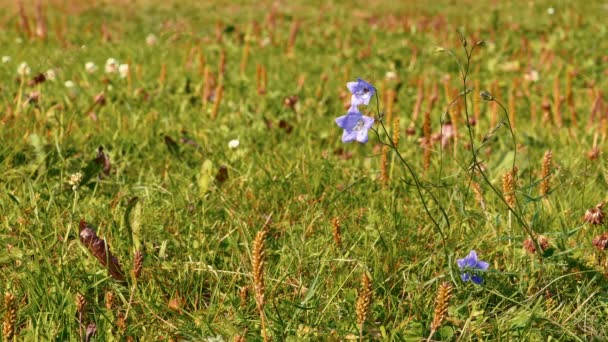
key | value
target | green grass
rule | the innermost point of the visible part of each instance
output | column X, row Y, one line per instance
column 163, row 195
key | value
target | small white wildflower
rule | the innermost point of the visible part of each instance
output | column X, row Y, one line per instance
column 123, row 69
column 50, row 75
column 6, row 59
column 390, row 75
column 23, row 69
column 111, row 66
column 75, row 180
column 90, row 67
column 265, row 41
column 70, row 84
column 532, row 76
column 551, row 11
column 151, row 39
column 234, row 143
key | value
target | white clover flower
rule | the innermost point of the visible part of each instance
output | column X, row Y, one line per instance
column 550, row 11
column 75, row 180
column 23, row 69
column 123, row 70
column 234, row 143
column 6, row 59
column 70, row 84
column 50, row 75
column 151, row 39
column 90, row 67
column 111, row 66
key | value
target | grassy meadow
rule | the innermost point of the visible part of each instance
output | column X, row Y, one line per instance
column 173, row 171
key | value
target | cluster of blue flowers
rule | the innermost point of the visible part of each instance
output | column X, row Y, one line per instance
column 471, row 268
column 354, row 123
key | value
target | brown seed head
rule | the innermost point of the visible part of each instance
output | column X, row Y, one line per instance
column 257, row 264
column 109, row 300
column 508, row 189
column 335, row 222
column 10, row 317
column 444, row 293
column 601, row 241
column 542, row 241
column 595, row 215
column 81, row 304
column 546, row 169
column 121, row 322
column 364, row 300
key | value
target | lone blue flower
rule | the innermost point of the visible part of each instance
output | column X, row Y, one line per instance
column 471, row 267
column 362, row 92
column 355, row 125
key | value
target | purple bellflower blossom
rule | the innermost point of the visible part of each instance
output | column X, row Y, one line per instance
column 362, row 92
column 471, row 267
column 355, row 125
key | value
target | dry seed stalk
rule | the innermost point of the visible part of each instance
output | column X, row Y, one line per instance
column 335, row 222
column 245, row 58
column 546, row 169
column 396, row 130
column 206, row 86
column 219, row 93
column 570, row 98
column 419, row 99
column 109, row 300
column 81, row 304
column 121, row 322
column 222, row 65
column 557, row 102
column 219, row 31
column 41, row 28
column 426, row 140
column 257, row 264
column 243, row 295
column 384, row 165
column 295, row 26
column 508, row 189
column 138, row 262
column 23, row 20
column 321, row 87
column 10, row 317
column 363, row 303
column 201, row 61
column 261, row 79
column 444, row 293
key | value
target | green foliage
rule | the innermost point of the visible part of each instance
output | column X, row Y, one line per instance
column 193, row 205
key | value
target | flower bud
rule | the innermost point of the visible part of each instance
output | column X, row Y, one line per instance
column 485, row 95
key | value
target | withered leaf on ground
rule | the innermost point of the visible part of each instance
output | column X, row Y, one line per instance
column 101, row 251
